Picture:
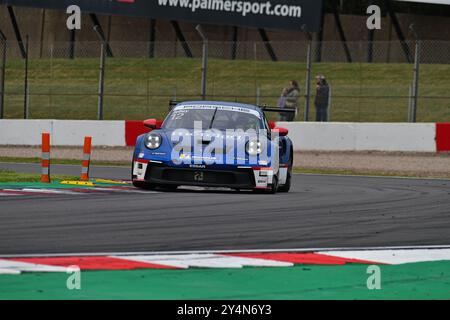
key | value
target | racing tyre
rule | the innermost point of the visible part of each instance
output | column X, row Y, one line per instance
column 287, row 186
column 274, row 188
column 169, row 187
column 144, row 185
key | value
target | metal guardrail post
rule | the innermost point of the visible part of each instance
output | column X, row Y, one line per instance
column 416, row 82
column 258, row 95
column 308, row 81
column 330, row 95
column 25, row 88
column 101, row 82
column 2, row 74
column 204, row 61
column 101, row 79
column 415, row 89
column 410, row 93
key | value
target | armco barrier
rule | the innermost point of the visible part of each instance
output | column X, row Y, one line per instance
column 133, row 129
column 103, row 133
column 443, row 137
column 402, row 137
column 63, row 132
column 23, row 132
column 406, row 137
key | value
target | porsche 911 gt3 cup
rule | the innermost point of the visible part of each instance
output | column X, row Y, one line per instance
column 214, row 144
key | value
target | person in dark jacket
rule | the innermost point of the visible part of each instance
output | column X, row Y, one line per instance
column 322, row 98
column 289, row 99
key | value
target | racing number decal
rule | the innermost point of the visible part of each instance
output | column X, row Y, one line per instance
column 198, row 176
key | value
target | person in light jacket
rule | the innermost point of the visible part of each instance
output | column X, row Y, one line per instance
column 289, row 99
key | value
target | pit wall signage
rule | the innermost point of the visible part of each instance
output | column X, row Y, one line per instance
column 300, row 15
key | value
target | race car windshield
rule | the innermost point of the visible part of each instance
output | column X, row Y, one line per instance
column 212, row 119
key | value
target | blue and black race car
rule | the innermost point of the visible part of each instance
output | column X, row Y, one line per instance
column 214, row 144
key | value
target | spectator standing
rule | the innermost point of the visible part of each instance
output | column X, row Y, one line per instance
column 322, row 98
column 289, row 99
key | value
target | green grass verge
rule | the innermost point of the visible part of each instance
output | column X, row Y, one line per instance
column 140, row 88
column 429, row 280
column 11, row 176
column 64, row 161
column 298, row 170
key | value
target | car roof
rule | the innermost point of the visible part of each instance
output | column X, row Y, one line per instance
column 221, row 103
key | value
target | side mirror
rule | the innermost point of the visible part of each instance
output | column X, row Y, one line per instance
column 282, row 132
column 152, row 124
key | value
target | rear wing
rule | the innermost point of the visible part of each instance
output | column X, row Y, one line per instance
column 265, row 108
column 277, row 109
column 172, row 104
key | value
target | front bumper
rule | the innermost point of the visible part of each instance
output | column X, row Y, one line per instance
column 236, row 177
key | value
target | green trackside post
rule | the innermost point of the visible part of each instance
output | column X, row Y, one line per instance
column 428, row 280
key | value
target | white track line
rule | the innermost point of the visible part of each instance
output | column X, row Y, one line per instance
column 124, row 190
column 371, row 176
column 50, row 191
column 85, row 254
column 32, row 191
column 28, row 191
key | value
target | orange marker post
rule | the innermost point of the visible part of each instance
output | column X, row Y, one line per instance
column 86, row 159
column 45, row 162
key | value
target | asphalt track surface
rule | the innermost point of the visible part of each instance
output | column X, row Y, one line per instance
column 321, row 211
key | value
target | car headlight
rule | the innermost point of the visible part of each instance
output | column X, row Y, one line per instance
column 153, row 141
column 253, row 147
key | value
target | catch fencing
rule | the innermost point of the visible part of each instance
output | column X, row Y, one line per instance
column 371, row 82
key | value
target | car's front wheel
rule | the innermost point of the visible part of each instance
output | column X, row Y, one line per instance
column 144, row 185
column 274, row 188
column 169, row 187
column 287, row 186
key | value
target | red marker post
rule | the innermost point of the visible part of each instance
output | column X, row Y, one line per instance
column 45, row 162
column 86, row 159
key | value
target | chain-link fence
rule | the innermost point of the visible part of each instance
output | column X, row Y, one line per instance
column 370, row 82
